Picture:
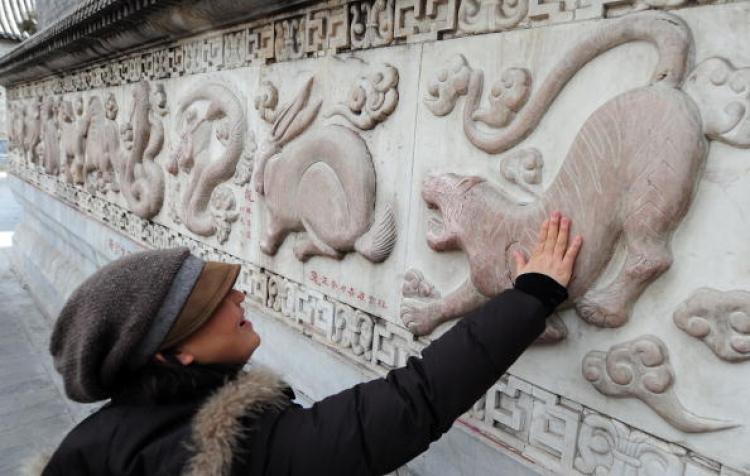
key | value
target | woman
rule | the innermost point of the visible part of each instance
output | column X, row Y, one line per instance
column 163, row 336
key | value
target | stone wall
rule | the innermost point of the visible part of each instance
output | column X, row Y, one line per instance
column 373, row 164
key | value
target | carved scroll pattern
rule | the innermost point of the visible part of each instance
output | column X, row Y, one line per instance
column 609, row 447
column 720, row 319
column 640, row 369
column 372, row 23
column 505, row 414
column 332, row 169
column 207, row 209
column 481, row 16
column 419, row 20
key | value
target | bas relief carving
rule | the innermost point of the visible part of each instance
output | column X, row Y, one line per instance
column 324, row 182
column 721, row 319
column 627, row 195
column 72, row 139
column 479, row 16
column 50, row 145
column 641, row 369
column 101, row 144
column 141, row 179
column 32, row 130
column 371, row 100
column 371, row 24
column 608, row 447
column 206, row 112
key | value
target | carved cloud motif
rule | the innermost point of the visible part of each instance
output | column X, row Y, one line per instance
column 332, row 176
column 722, row 93
column 523, row 168
column 508, row 110
column 640, row 369
column 720, row 319
column 205, row 111
column 371, row 100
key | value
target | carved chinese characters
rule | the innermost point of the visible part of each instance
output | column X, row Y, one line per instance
column 641, row 369
column 324, row 182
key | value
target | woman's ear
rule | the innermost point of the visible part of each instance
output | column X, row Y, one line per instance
column 184, row 357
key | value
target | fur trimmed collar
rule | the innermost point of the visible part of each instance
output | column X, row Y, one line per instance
column 217, row 427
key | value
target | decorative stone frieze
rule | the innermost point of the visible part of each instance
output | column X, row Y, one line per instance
column 350, row 157
column 559, row 434
column 318, row 29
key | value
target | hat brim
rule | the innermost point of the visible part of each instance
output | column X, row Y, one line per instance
column 213, row 284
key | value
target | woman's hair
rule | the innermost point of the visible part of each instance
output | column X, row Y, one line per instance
column 163, row 382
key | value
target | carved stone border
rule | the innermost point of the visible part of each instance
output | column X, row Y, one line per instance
column 323, row 28
column 554, row 432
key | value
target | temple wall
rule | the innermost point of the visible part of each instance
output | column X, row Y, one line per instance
column 372, row 165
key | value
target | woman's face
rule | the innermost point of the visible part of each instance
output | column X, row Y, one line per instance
column 226, row 338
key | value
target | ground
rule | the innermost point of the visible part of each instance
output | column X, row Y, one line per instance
column 34, row 414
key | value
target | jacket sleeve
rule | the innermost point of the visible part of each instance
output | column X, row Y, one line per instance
column 376, row 427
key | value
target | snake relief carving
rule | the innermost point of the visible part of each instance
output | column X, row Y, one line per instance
column 641, row 369
column 209, row 111
column 721, row 319
column 619, row 181
column 322, row 183
column 141, row 178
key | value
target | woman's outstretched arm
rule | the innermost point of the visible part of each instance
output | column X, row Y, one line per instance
column 375, row 427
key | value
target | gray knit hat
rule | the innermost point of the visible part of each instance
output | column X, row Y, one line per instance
column 119, row 317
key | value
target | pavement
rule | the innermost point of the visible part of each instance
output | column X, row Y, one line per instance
column 34, row 414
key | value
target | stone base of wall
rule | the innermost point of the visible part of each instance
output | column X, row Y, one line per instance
column 55, row 247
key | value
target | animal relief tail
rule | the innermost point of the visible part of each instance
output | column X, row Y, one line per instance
column 376, row 245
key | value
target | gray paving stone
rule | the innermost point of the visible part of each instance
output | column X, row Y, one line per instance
column 34, row 415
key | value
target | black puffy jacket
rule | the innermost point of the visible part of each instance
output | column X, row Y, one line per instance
column 248, row 425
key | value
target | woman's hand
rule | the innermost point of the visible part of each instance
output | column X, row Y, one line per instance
column 552, row 255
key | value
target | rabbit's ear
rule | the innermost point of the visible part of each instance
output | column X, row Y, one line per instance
column 295, row 117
